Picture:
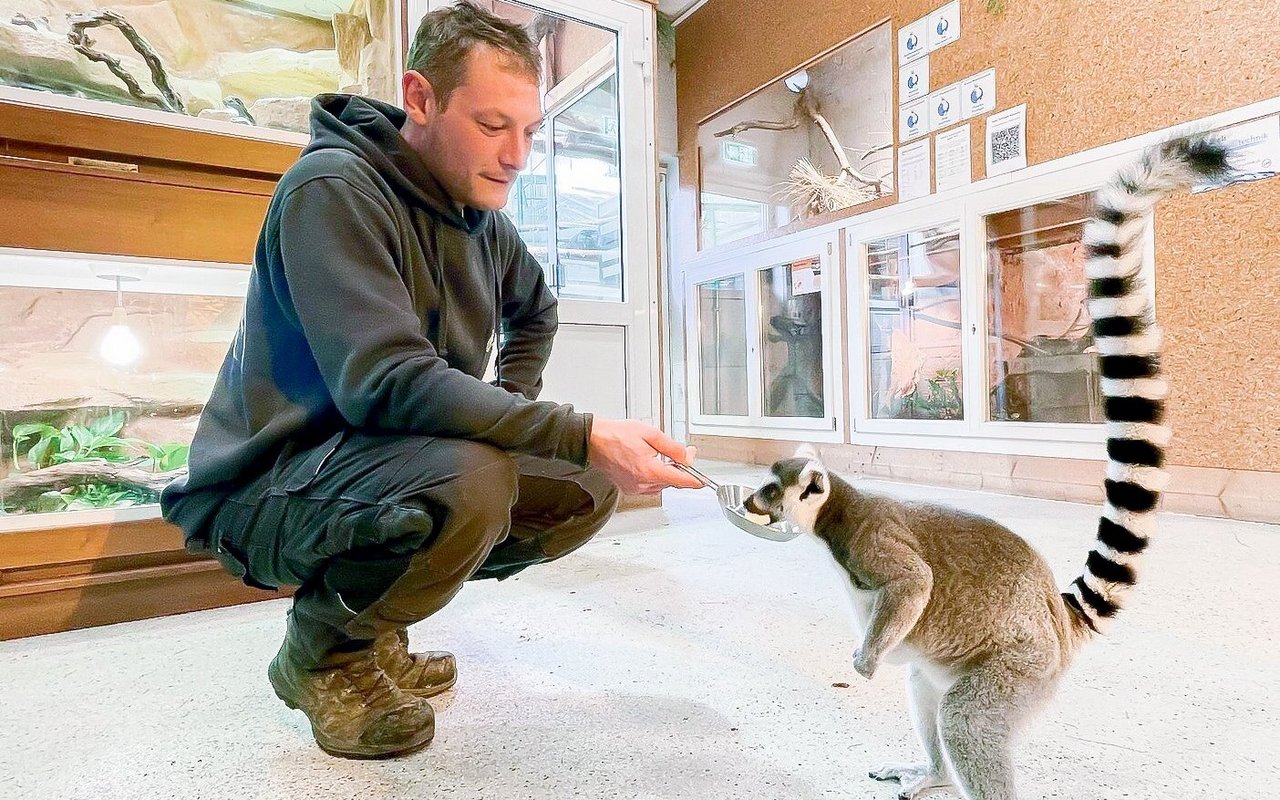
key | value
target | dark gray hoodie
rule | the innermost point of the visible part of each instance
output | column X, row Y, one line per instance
column 372, row 304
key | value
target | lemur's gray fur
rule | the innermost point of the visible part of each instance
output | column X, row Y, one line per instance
column 967, row 603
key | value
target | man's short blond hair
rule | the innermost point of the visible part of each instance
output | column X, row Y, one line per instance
column 446, row 38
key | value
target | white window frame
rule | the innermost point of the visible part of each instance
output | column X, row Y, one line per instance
column 827, row 428
column 975, row 431
column 859, row 316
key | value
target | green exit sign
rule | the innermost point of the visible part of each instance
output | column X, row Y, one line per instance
column 746, row 155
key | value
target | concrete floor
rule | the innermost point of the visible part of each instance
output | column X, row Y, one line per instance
column 672, row 657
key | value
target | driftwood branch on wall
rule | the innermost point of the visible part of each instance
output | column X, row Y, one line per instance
column 167, row 100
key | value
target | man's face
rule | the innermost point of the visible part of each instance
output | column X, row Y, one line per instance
column 481, row 140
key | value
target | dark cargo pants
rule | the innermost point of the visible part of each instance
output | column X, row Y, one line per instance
column 379, row 532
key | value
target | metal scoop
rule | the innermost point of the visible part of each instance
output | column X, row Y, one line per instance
column 731, row 497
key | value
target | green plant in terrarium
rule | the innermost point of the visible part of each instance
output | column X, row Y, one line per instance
column 940, row 400
column 97, row 441
column 88, row 466
column 90, row 496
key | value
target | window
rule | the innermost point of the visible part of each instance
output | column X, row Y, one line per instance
column 969, row 320
column 914, row 347
column 1041, row 364
column 588, row 196
column 791, row 339
column 722, row 346
column 764, row 357
column 567, row 203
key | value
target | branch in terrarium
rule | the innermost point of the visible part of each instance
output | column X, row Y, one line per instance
column 761, row 124
column 167, row 100
column 79, row 473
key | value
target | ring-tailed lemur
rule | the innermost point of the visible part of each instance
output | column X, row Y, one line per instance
column 969, row 604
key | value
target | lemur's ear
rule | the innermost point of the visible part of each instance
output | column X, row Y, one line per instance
column 814, row 480
column 808, row 451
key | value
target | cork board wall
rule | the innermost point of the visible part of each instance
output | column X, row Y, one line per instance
column 1090, row 72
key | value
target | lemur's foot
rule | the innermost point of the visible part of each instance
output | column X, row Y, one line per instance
column 916, row 780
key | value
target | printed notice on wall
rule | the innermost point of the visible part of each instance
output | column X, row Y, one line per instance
column 913, row 80
column 953, row 159
column 944, row 25
column 1007, row 141
column 978, row 94
column 913, row 171
column 806, row 276
column 913, row 41
column 913, row 121
column 944, row 107
column 1255, row 152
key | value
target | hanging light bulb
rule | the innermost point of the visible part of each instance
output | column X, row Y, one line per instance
column 120, row 347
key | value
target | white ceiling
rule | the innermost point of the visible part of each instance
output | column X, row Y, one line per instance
column 676, row 7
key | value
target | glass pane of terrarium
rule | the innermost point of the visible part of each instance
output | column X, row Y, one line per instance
column 791, row 334
column 100, row 397
column 256, row 62
column 817, row 141
column 1041, row 365
column 913, row 290
column 722, row 346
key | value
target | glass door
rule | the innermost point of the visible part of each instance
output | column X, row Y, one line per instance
column 586, row 202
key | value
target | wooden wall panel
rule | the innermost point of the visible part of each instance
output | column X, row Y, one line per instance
column 79, row 211
column 1091, row 72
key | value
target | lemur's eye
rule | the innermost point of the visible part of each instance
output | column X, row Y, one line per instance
column 769, row 492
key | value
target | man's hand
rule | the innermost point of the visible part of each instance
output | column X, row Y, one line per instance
column 628, row 452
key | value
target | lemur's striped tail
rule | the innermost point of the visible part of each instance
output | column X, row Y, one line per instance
column 1128, row 344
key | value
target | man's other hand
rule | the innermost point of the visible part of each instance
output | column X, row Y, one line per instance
column 629, row 452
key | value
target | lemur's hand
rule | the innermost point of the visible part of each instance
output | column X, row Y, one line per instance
column 864, row 664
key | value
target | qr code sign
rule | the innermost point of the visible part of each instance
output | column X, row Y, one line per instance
column 1006, row 144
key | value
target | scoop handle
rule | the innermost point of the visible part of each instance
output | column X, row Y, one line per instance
column 705, row 480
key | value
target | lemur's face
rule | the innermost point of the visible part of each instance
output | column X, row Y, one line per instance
column 795, row 493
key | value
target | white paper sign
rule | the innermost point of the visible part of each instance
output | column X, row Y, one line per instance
column 1007, row 141
column 954, row 168
column 913, row 41
column 1255, row 152
column 806, row 276
column 913, row 171
column 913, row 80
column 913, row 120
column 978, row 94
column 944, row 107
column 944, row 25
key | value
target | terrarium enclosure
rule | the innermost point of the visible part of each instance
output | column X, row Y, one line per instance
column 763, row 339
column 101, row 388
column 816, row 141
column 256, row 63
column 1041, row 361
column 914, row 340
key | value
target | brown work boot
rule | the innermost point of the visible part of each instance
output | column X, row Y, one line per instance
column 355, row 710
column 419, row 674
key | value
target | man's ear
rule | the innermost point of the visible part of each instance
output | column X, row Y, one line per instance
column 814, row 480
column 419, row 97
